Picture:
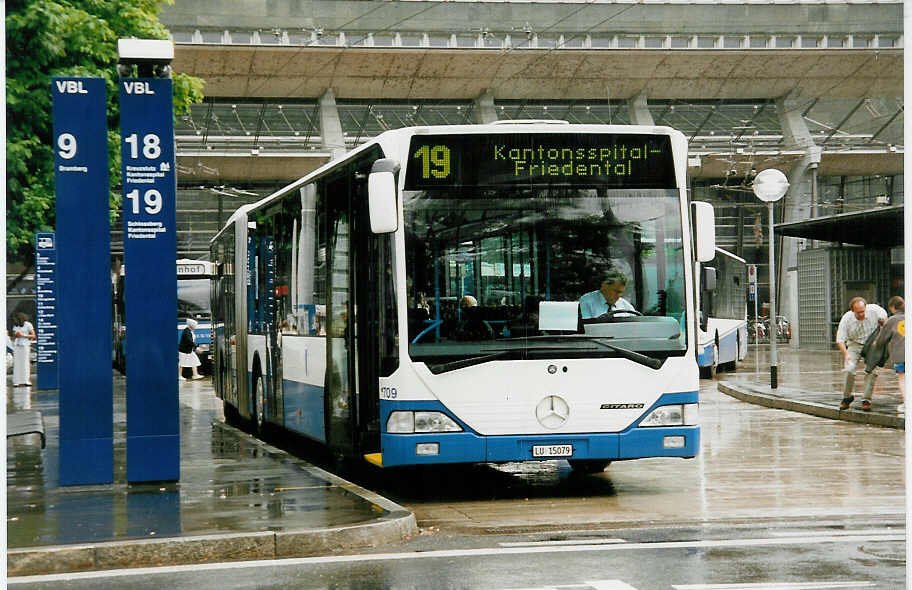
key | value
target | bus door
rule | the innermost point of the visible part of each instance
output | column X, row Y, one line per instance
column 362, row 321
column 268, row 328
column 374, row 323
column 338, row 399
column 260, row 322
column 245, row 393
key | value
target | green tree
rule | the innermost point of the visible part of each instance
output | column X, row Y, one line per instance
column 47, row 38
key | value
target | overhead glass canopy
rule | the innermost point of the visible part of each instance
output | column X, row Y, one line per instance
column 222, row 125
column 226, row 125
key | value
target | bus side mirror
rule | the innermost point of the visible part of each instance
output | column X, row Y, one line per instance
column 704, row 231
column 381, row 196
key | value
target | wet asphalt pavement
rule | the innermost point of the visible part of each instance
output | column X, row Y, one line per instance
column 758, row 467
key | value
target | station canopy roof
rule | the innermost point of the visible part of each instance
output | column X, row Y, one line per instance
column 288, row 126
column 881, row 227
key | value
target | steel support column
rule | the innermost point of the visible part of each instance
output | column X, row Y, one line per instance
column 639, row 111
column 485, row 112
column 797, row 203
column 331, row 125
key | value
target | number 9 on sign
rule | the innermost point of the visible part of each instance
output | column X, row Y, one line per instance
column 67, row 144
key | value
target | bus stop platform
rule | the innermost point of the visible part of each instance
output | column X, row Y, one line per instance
column 238, row 499
column 811, row 382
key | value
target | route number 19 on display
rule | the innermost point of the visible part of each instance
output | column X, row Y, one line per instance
column 435, row 161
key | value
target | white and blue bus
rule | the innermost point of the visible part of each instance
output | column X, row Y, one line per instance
column 193, row 293
column 417, row 301
column 723, row 342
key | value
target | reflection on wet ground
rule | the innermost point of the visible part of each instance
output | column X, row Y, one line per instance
column 229, row 482
column 754, row 463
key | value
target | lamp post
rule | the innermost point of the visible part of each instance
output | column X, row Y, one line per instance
column 771, row 185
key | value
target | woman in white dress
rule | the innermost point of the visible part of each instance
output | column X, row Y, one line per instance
column 186, row 351
column 23, row 334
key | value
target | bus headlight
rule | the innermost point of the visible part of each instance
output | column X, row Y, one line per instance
column 407, row 422
column 435, row 422
column 673, row 415
column 401, row 423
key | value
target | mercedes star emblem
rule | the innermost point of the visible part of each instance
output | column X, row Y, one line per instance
column 552, row 412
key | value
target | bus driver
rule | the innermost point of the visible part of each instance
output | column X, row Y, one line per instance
column 606, row 298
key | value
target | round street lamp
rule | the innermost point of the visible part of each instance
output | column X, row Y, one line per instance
column 771, row 185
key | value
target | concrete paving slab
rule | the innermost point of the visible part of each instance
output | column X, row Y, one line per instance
column 238, row 498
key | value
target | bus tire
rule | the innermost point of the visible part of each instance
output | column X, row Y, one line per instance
column 259, row 400
column 739, row 346
column 589, row 465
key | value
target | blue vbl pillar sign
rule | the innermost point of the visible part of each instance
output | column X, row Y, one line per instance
column 83, row 284
column 150, row 278
column 46, row 303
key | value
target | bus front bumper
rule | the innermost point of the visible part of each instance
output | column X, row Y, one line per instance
column 468, row 447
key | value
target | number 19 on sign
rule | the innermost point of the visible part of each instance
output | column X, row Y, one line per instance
column 151, row 201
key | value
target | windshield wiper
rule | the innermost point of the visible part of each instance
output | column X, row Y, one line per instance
column 648, row 361
column 651, row 362
column 438, row 368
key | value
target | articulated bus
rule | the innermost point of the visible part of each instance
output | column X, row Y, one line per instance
column 192, row 303
column 417, row 301
column 723, row 342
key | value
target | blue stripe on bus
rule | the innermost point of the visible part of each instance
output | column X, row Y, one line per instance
column 304, row 409
column 470, row 447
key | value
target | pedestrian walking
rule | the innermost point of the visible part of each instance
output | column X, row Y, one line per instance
column 855, row 326
column 893, row 335
column 186, row 350
column 23, row 334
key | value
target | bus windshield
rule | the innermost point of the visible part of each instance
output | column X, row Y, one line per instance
column 527, row 271
column 193, row 299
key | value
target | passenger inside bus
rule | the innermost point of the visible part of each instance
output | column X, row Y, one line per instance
column 471, row 325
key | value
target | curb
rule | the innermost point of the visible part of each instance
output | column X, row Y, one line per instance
column 206, row 548
column 811, row 408
column 393, row 524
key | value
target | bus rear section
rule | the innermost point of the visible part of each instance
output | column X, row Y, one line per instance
column 722, row 341
column 470, row 328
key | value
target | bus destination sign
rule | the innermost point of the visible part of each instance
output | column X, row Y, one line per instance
column 615, row 160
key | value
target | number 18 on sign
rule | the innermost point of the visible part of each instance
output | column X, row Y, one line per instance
column 150, row 281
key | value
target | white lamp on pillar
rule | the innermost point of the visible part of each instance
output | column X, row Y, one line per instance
column 771, row 185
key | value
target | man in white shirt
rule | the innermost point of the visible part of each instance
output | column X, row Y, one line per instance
column 607, row 298
column 854, row 328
